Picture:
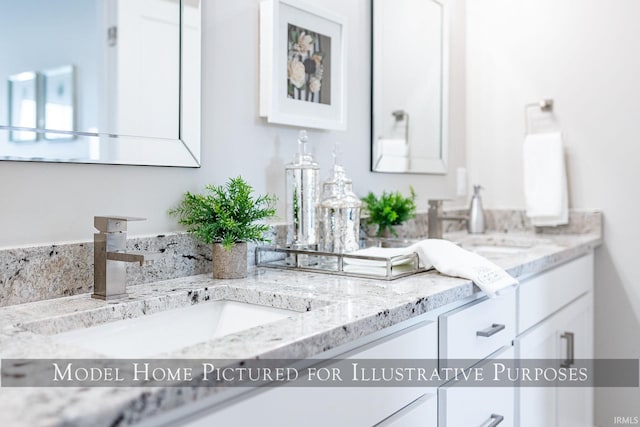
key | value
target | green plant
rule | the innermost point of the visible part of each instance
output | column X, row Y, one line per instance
column 390, row 209
column 226, row 214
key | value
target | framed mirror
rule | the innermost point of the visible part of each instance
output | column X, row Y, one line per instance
column 410, row 68
column 101, row 81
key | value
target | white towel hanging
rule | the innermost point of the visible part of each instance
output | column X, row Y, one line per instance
column 545, row 179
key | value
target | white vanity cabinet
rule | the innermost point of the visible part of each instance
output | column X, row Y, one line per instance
column 564, row 331
column 548, row 317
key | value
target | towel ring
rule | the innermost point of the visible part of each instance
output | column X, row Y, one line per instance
column 545, row 105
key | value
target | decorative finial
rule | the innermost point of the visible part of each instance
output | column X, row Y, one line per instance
column 302, row 136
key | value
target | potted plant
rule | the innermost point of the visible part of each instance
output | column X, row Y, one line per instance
column 226, row 216
column 389, row 210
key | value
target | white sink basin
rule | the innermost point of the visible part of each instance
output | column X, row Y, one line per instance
column 172, row 329
column 498, row 250
column 500, row 245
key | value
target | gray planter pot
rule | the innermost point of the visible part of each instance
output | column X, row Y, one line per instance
column 230, row 264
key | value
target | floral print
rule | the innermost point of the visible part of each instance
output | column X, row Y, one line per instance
column 297, row 73
column 308, row 53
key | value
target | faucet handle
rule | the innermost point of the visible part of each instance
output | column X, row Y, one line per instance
column 114, row 223
column 434, row 203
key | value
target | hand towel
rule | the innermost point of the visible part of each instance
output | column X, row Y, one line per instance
column 545, row 180
column 451, row 260
column 391, row 155
column 392, row 164
column 378, row 267
column 379, row 252
column 393, row 147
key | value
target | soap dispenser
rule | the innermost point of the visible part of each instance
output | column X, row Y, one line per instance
column 476, row 223
column 302, row 194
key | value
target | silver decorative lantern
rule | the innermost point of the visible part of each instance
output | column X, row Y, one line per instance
column 338, row 215
column 302, row 197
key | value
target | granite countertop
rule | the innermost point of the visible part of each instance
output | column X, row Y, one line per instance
column 333, row 311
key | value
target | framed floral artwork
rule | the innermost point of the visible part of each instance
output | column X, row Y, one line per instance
column 302, row 65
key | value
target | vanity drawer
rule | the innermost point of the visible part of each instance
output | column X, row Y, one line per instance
column 476, row 330
column 341, row 406
column 543, row 294
column 477, row 406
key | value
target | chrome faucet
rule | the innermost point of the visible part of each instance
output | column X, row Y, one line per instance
column 110, row 255
column 435, row 217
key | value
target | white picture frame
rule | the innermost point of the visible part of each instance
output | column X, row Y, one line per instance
column 23, row 91
column 302, row 65
column 58, row 103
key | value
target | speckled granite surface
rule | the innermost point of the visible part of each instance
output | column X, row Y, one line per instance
column 503, row 221
column 52, row 271
column 332, row 311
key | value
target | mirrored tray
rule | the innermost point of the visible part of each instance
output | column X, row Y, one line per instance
column 364, row 263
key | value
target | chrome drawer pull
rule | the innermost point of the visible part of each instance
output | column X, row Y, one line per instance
column 494, row 329
column 497, row 419
column 570, row 360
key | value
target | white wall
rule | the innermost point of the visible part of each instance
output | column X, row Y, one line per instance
column 56, row 202
column 584, row 55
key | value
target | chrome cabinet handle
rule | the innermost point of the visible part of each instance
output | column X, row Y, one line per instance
column 497, row 419
column 492, row 330
column 570, row 360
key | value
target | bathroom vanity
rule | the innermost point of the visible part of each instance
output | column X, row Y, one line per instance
column 425, row 316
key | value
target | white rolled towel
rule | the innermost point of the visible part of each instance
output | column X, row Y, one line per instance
column 452, row 260
column 393, row 147
column 392, row 164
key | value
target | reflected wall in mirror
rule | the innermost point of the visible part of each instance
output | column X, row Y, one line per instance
column 115, row 81
column 410, row 68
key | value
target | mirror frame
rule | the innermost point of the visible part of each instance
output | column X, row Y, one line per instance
column 185, row 151
column 433, row 166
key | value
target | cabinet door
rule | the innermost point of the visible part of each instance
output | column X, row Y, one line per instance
column 552, row 339
column 575, row 404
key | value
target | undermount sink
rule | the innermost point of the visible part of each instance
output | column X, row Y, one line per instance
column 172, row 329
column 498, row 250
column 500, row 245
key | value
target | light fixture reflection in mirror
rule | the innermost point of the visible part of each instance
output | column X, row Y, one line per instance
column 410, row 80
column 117, row 81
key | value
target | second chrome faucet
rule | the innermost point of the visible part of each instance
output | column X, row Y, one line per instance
column 435, row 218
column 474, row 219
